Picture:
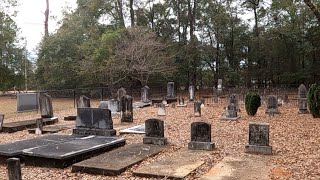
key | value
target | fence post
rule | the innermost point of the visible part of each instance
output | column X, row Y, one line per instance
column 74, row 99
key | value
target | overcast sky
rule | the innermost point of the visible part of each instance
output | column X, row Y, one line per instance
column 30, row 18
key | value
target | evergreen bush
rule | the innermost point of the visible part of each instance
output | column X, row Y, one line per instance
column 314, row 100
column 252, row 103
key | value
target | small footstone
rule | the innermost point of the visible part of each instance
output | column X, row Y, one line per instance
column 115, row 162
column 176, row 166
column 154, row 132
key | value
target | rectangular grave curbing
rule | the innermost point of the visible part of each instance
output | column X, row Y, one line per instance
column 117, row 161
column 201, row 136
column 154, row 132
column 11, row 127
column 258, row 139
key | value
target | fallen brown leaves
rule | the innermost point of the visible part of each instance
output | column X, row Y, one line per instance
column 295, row 139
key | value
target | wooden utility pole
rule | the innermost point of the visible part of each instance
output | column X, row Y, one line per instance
column 46, row 14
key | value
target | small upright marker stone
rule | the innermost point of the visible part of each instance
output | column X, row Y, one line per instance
column 154, row 132
column 258, row 139
column 200, row 136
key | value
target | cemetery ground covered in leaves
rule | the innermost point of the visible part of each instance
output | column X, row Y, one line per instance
column 295, row 138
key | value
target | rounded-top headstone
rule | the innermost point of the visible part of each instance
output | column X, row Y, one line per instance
column 302, row 91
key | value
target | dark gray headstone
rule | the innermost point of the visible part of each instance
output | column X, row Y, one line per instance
column 154, row 132
column 83, row 102
column 94, row 121
column 170, row 90
column 272, row 105
column 1, row 120
column 201, row 136
column 145, row 94
column 302, row 91
column 27, row 102
column 231, row 111
column 191, row 93
column 46, row 105
column 14, row 169
column 121, row 92
column 197, row 109
column 259, row 138
column 126, row 109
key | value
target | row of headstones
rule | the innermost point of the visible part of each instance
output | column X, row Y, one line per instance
column 201, row 136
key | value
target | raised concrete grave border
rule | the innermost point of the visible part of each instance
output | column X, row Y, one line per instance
column 139, row 129
column 117, row 161
column 11, row 127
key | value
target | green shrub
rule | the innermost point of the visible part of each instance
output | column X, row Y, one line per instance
column 252, row 103
column 314, row 100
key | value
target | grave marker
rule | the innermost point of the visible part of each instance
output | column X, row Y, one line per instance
column 14, row 169
column 27, row 102
column 191, row 93
column 161, row 109
column 39, row 126
column 197, row 109
column 181, row 102
column 170, row 90
column 46, row 105
column 126, row 109
column 200, row 136
column 258, row 139
column 219, row 86
column 83, row 101
column 121, row 92
column 145, row 94
column 103, row 105
column 154, row 132
column 94, row 121
column 302, row 99
column 272, row 105
column 1, row 120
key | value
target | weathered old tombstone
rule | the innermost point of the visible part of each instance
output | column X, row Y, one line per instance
column 94, row 121
column 197, row 109
column 258, row 139
column 1, row 120
column 39, row 126
column 233, row 100
column 280, row 100
column 14, row 169
column 302, row 99
column 272, row 105
column 181, row 102
column 27, row 102
column 46, row 105
column 200, row 136
column 170, row 90
column 154, row 132
column 219, row 87
column 202, row 101
column 145, row 94
column 232, row 109
column 126, row 106
column 161, row 109
column 113, row 105
column 103, row 105
column 83, row 101
column 121, row 92
column 191, row 93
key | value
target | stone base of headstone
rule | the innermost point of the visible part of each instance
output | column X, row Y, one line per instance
column 70, row 118
column 98, row 132
column 272, row 111
column 303, row 111
column 267, row 150
column 155, row 140
column 197, row 114
column 224, row 117
column 195, row 145
column 182, row 105
column 171, row 100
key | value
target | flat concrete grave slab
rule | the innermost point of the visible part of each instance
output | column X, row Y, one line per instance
column 140, row 129
column 244, row 168
column 115, row 162
column 141, row 104
column 21, row 125
column 67, row 153
column 52, row 129
column 177, row 166
column 14, row 148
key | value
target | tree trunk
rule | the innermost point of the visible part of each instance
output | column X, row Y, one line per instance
column 313, row 9
column 131, row 13
column 120, row 13
column 46, row 20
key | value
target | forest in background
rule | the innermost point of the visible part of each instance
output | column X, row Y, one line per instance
column 191, row 42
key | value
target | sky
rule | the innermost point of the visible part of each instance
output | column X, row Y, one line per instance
column 30, row 19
